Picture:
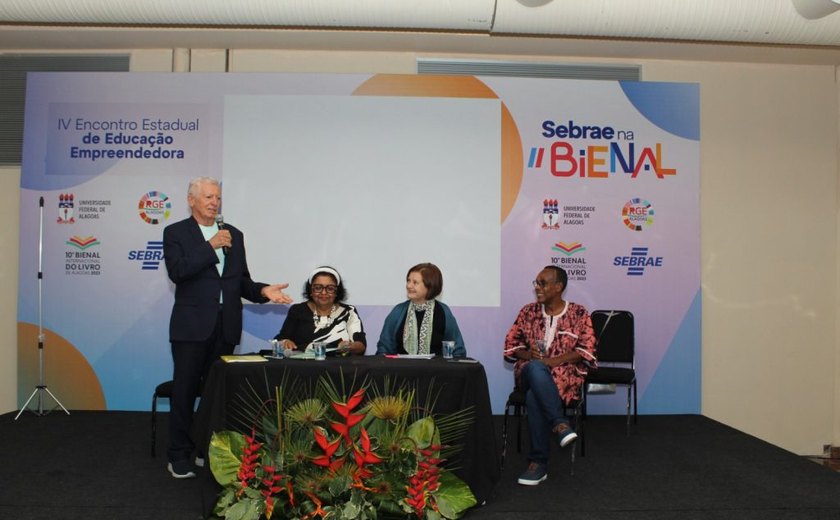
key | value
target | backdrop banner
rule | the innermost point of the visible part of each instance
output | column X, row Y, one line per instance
column 489, row 178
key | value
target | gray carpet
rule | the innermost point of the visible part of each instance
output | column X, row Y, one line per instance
column 97, row 465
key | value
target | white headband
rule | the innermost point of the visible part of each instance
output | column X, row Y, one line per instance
column 328, row 270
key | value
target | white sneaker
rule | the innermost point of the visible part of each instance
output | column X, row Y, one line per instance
column 181, row 469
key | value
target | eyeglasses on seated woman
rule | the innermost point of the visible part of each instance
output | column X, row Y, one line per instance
column 323, row 317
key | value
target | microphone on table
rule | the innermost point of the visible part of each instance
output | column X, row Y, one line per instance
column 220, row 223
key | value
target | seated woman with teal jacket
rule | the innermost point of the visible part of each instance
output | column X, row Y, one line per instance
column 420, row 324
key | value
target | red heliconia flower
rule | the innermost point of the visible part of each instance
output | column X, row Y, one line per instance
column 416, row 499
column 425, row 481
column 329, row 448
column 365, row 455
column 345, row 409
column 272, row 481
column 248, row 465
column 269, row 506
column 350, row 419
column 273, row 485
column 361, row 473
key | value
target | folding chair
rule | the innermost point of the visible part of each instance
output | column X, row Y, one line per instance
column 615, row 350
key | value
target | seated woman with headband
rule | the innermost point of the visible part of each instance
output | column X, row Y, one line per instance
column 323, row 317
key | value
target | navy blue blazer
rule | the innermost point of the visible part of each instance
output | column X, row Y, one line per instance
column 191, row 264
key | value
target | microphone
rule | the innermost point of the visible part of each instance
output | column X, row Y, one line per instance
column 220, row 223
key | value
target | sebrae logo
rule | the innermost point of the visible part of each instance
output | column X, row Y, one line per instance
column 637, row 261
column 150, row 257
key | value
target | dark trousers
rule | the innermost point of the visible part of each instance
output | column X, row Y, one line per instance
column 192, row 362
column 545, row 409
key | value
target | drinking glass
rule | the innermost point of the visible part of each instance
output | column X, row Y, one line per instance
column 541, row 347
column 448, row 349
column 320, row 349
column 276, row 348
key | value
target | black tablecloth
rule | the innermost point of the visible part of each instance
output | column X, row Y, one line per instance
column 460, row 385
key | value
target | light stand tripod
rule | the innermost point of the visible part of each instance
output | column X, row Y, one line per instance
column 41, row 387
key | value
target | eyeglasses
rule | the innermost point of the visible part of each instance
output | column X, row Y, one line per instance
column 542, row 283
column 330, row 289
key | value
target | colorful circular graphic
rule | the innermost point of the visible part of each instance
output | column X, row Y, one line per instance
column 154, row 207
column 637, row 214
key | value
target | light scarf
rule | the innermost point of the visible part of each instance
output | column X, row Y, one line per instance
column 414, row 342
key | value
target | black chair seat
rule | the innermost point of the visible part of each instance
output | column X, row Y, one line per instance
column 516, row 398
column 612, row 375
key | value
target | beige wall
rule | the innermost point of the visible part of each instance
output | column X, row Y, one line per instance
column 769, row 164
column 10, row 237
column 769, row 230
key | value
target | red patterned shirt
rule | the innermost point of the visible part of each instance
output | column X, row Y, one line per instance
column 573, row 332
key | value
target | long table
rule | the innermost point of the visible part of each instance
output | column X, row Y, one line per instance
column 457, row 384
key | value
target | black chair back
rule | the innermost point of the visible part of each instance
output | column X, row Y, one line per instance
column 615, row 336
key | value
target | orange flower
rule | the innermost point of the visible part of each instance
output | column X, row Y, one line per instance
column 318, row 510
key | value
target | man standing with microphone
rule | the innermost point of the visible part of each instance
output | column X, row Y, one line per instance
column 206, row 261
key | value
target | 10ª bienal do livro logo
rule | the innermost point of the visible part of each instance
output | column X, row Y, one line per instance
column 82, row 258
column 570, row 258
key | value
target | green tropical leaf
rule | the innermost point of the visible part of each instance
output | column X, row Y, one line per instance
column 351, row 510
column 226, row 498
column 339, row 485
column 244, row 510
column 423, row 432
column 453, row 497
column 225, row 452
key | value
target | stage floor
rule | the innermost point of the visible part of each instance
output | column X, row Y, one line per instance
column 97, row 465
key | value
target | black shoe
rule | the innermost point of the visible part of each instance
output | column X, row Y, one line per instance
column 533, row 475
column 181, row 469
column 566, row 436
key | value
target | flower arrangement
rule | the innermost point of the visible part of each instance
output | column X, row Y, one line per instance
column 365, row 454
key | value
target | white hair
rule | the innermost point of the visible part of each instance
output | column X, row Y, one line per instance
column 197, row 181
